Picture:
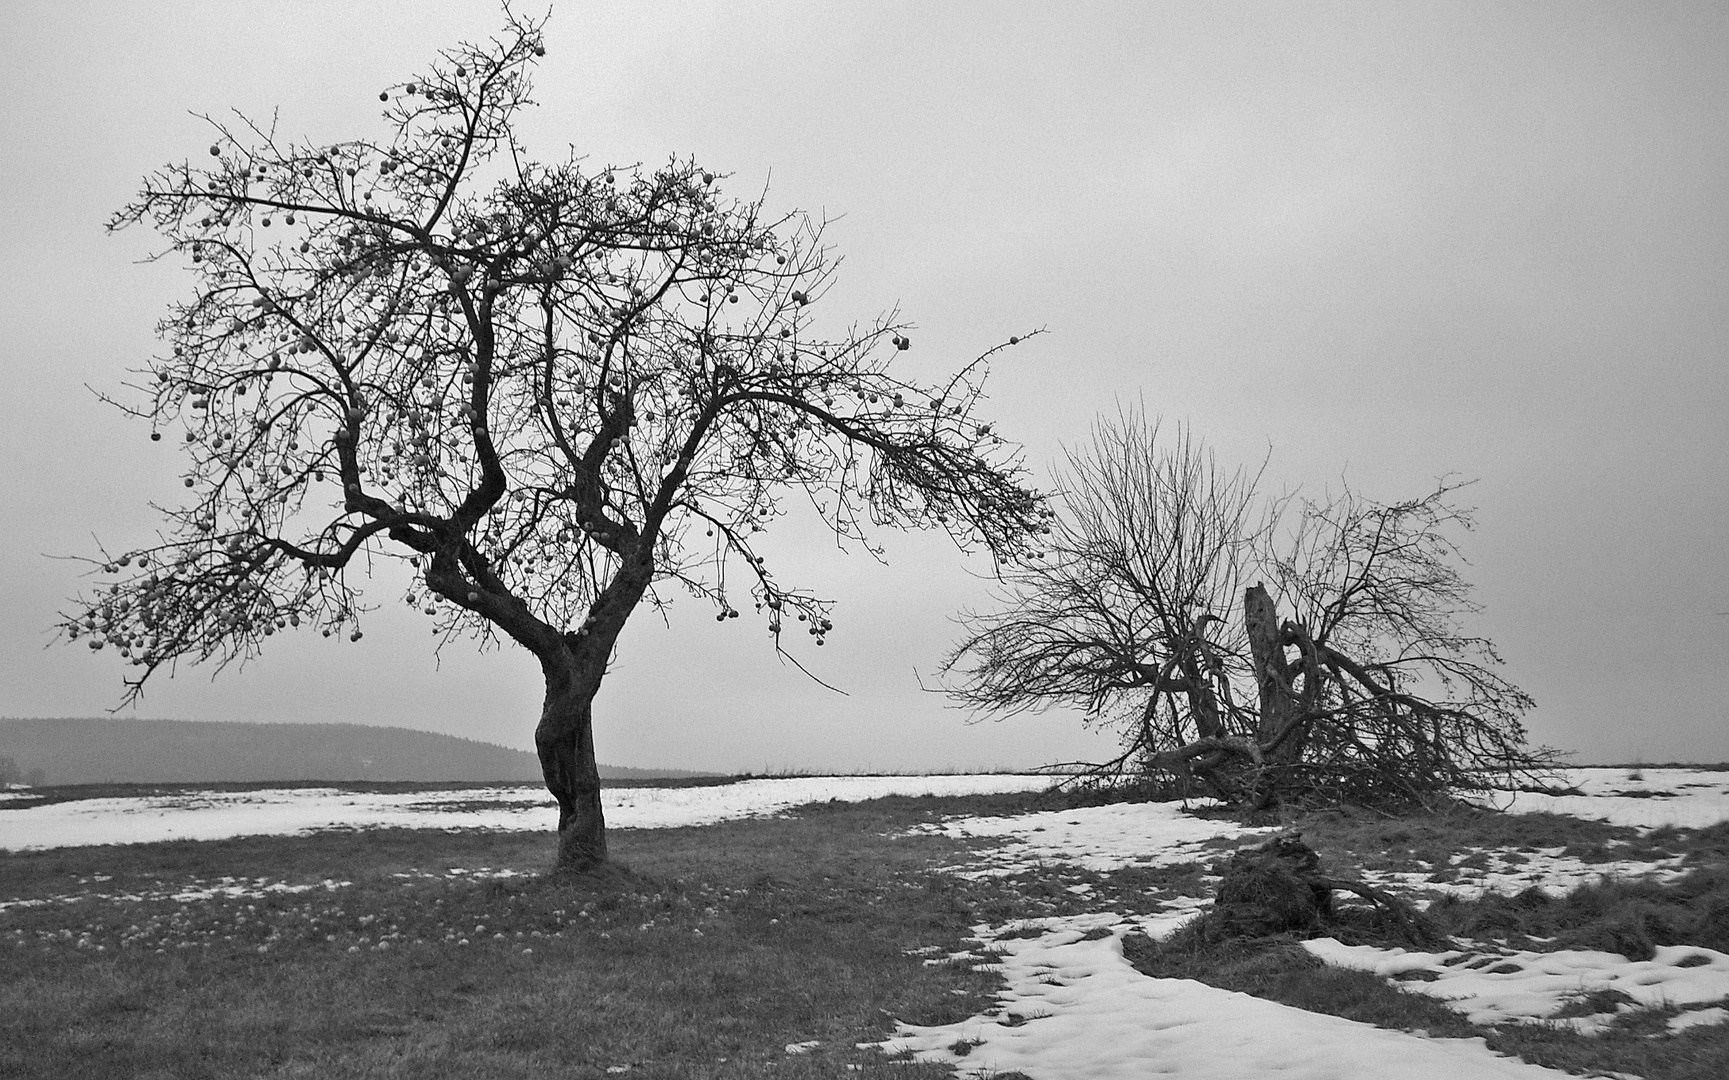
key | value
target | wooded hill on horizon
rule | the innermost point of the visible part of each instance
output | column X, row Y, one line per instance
column 105, row 750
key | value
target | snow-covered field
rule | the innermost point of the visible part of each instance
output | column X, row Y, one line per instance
column 1072, row 1007
column 1645, row 798
column 218, row 815
column 1110, row 836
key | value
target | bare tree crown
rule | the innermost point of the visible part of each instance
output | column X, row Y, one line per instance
column 528, row 380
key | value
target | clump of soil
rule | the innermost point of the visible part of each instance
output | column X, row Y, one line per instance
column 1279, row 888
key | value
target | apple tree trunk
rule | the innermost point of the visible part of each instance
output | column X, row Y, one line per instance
column 574, row 664
column 565, row 741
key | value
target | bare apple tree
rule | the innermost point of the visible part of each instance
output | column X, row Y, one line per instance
column 1368, row 692
column 555, row 391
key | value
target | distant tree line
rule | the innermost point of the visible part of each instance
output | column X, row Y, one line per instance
column 11, row 774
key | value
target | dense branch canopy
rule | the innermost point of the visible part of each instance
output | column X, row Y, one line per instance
column 526, row 379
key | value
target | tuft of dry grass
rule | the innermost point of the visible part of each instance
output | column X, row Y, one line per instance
column 1626, row 917
column 1280, row 969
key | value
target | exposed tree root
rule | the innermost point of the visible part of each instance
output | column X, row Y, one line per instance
column 1278, row 888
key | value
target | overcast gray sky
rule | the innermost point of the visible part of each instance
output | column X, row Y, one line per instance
column 1388, row 241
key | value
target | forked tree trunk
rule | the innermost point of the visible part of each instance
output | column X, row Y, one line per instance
column 1272, row 676
column 574, row 664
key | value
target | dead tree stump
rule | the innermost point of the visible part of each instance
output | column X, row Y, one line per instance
column 1271, row 889
column 1278, row 888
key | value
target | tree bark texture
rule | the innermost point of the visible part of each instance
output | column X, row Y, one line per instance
column 1272, row 676
column 574, row 664
column 1203, row 702
column 565, row 741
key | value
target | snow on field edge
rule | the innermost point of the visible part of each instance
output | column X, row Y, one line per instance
column 220, row 815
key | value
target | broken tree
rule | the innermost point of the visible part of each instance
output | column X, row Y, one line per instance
column 1156, row 609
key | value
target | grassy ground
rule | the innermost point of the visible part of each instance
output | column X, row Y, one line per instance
column 701, row 952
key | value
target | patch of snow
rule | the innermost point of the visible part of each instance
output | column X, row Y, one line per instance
column 239, row 888
column 1496, row 986
column 1685, row 798
column 1075, row 1009
column 1510, row 872
column 227, row 888
column 480, row 873
column 1697, row 1018
column 1098, row 838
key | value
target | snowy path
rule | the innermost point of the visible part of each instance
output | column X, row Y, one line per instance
column 1075, row 1009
